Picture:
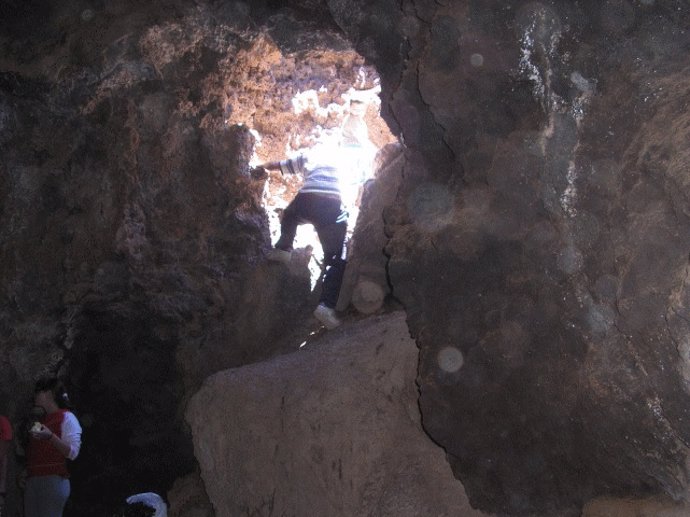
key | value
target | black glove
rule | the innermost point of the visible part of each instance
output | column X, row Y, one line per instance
column 258, row 173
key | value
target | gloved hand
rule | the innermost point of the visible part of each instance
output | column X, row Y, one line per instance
column 258, row 173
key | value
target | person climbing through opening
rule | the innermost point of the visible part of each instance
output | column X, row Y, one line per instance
column 327, row 169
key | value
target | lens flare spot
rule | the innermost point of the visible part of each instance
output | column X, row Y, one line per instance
column 431, row 206
column 450, row 359
column 570, row 260
column 367, row 297
column 476, row 60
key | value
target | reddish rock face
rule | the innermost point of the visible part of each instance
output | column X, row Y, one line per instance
column 535, row 229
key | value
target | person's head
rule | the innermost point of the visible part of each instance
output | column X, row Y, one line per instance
column 357, row 108
column 49, row 393
column 354, row 131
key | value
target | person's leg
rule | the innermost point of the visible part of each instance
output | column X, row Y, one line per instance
column 293, row 216
column 57, row 494
column 32, row 497
column 45, row 496
column 331, row 226
column 332, row 239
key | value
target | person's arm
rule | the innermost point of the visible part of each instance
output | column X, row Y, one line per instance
column 289, row 166
column 70, row 443
column 258, row 172
column 62, row 446
column 271, row 166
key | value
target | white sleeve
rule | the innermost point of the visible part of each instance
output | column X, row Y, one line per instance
column 71, row 434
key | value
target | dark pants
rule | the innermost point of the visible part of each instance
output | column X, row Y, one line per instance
column 330, row 221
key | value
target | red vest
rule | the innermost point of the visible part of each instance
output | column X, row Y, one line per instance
column 42, row 458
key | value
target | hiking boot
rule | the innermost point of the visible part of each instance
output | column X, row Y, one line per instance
column 278, row 255
column 327, row 316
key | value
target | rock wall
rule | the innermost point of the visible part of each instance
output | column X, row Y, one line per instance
column 539, row 245
column 132, row 236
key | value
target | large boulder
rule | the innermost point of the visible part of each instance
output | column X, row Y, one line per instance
column 333, row 429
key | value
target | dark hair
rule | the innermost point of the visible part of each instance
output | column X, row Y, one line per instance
column 57, row 388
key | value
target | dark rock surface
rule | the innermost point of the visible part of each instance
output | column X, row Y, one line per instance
column 538, row 240
column 543, row 268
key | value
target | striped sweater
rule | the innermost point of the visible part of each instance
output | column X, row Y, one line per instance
column 318, row 166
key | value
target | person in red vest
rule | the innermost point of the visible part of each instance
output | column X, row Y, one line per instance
column 53, row 440
column 5, row 440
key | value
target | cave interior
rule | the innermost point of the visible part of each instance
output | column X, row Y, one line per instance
column 525, row 223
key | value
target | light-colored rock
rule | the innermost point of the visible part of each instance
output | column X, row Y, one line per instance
column 651, row 507
column 187, row 498
column 331, row 430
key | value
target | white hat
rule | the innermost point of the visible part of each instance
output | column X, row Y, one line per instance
column 151, row 500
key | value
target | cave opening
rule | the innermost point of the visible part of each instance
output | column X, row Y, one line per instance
column 359, row 158
column 307, row 100
column 126, row 391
